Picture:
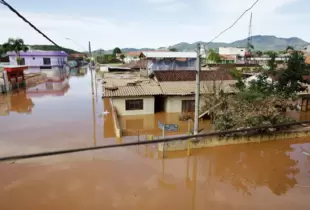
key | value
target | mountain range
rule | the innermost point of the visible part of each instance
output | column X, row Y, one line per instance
column 260, row 43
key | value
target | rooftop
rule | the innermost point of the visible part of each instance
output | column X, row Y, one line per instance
column 39, row 53
column 152, row 54
column 120, row 87
column 188, row 88
column 189, row 75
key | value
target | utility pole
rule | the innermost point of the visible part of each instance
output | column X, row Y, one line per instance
column 91, row 69
column 197, row 94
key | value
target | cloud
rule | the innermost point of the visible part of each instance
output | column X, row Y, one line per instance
column 200, row 20
column 162, row 1
column 173, row 7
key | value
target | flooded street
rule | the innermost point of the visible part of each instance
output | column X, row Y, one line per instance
column 269, row 175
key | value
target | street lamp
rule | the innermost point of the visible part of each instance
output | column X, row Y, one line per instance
column 81, row 46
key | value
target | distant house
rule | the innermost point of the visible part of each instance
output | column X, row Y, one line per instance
column 179, row 87
column 40, row 59
column 169, row 91
column 132, row 56
column 241, row 51
column 160, row 61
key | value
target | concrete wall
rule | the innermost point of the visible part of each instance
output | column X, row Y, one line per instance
column 117, row 127
column 213, row 141
column 173, row 104
column 148, row 105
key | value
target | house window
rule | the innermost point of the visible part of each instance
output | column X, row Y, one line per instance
column 49, row 86
column 33, row 58
column 188, row 105
column 22, row 61
column 46, row 61
column 136, row 104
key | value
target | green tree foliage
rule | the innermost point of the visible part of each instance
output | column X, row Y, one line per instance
column 262, row 101
column 122, row 57
column 213, row 57
column 173, row 49
column 259, row 53
column 289, row 48
column 292, row 79
column 15, row 45
column 117, row 50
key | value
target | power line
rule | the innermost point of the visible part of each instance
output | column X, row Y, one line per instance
column 182, row 138
column 27, row 21
column 234, row 22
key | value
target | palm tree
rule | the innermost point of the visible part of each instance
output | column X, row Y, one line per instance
column 15, row 45
column 213, row 56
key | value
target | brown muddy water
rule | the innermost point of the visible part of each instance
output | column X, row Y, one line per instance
column 269, row 175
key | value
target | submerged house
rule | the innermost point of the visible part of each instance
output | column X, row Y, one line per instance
column 41, row 61
column 168, row 91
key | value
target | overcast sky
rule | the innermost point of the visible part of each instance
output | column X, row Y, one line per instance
column 150, row 23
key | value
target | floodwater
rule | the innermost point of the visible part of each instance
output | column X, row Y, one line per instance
column 269, row 175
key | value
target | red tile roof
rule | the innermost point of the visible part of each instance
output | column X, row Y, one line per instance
column 190, row 75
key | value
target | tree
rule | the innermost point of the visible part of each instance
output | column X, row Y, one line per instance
column 117, row 50
column 213, row 56
column 250, row 46
column 173, row 49
column 291, row 48
column 122, row 57
column 262, row 101
column 15, row 45
column 259, row 53
column 292, row 79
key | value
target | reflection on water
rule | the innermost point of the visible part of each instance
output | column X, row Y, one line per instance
column 229, row 177
column 148, row 124
column 61, row 114
column 17, row 102
column 232, row 177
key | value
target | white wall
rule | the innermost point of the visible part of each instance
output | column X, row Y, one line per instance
column 232, row 51
column 128, row 59
column 173, row 104
column 38, row 60
column 148, row 106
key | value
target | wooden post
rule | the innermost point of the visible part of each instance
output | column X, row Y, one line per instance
column 163, row 142
column 188, row 147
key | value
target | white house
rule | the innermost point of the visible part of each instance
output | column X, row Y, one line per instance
column 232, row 51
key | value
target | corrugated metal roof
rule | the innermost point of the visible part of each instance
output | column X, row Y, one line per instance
column 170, row 54
column 189, row 88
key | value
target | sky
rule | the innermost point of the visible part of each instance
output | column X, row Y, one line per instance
column 150, row 23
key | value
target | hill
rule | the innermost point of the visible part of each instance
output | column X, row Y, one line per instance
column 51, row 48
column 262, row 43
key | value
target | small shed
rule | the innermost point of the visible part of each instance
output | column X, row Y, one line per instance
column 15, row 75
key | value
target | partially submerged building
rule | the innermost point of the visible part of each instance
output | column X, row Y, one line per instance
column 41, row 61
column 161, row 61
column 168, row 91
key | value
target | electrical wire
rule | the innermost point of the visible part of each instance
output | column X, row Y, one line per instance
column 165, row 140
column 27, row 21
column 234, row 22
